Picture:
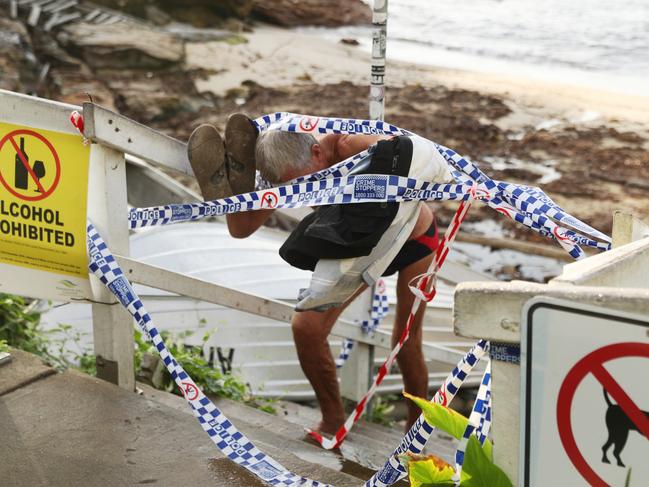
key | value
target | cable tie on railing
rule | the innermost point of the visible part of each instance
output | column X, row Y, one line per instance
column 76, row 119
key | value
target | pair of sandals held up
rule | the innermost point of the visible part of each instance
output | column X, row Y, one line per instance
column 224, row 167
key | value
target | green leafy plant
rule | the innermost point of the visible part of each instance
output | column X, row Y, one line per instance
column 20, row 328
column 426, row 470
column 87, row 364
column 382, row 408
column 478, row 469
column 61, row 347
column 19, row 325
column 211, row 380
column 66, row 351
column 4, row 347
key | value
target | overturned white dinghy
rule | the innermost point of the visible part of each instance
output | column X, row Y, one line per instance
column 259, row 349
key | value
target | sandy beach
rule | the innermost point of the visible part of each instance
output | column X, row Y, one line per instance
column 277, row 57
column 588, row 149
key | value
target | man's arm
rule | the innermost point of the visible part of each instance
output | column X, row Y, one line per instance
column 349, row 145
column 242, row 225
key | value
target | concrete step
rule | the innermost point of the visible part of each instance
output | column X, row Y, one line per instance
column 23, row 369
column 304, row 416
column 439, row 444
column 74, row 430
column 359, row 450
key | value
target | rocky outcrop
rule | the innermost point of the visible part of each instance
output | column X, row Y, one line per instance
column 122, row 45
column 19, row 68
column 327, row 13
column 200, row 13
column 210, row 13
column 140, row 65
column 221, row 8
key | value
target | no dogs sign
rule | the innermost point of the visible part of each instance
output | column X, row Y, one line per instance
column 585, row 396
column 43, row 193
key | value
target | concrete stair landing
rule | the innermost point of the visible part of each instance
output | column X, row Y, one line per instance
column 69, row 429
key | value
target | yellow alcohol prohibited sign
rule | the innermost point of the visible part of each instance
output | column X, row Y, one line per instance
column 43, row 197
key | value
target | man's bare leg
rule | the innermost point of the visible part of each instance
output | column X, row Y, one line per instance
column 310, row 332
column 411, row 357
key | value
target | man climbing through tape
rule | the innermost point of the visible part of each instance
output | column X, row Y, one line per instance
column 347, row 246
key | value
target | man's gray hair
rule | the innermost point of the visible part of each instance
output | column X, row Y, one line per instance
column 276, row 151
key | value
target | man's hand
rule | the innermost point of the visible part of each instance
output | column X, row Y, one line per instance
column 242, row 225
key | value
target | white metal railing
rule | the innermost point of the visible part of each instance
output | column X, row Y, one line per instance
column 616, row 279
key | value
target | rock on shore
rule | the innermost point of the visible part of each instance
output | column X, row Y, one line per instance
column 210, row 13
column 119, row 46
column 184, row 10
column 332, row 13
column 18, row 64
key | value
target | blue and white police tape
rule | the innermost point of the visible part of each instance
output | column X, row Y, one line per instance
column 364, row 188
column 505, row 352
column 294, row 122
column 485, row 418
column 380, row 309
column 526, row 205
column 230, row 441
column 346, row 348
column 528, row 199
column 530, row 202
column 475, row 420
column 416, row 438
column 529, row 196
column 352, row 189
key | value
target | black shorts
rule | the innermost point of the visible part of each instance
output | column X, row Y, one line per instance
column 353, row 230
column 414, row 250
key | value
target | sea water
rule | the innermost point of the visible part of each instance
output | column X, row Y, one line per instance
column 600, row 43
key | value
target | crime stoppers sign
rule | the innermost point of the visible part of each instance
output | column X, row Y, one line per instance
column 585, row 401
column 43, row 194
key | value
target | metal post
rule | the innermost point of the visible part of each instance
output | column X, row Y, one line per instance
column 379, row 41
column 362, row 357
column 112, row 324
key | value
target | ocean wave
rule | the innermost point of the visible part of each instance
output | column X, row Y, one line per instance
column 591, row 37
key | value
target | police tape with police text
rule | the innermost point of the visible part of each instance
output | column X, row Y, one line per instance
column 526, row 205
column 227, row 438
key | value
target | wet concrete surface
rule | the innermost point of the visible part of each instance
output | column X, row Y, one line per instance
column 283, row 440
column 368, row 444
column 73, row 430
column 23, row 369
